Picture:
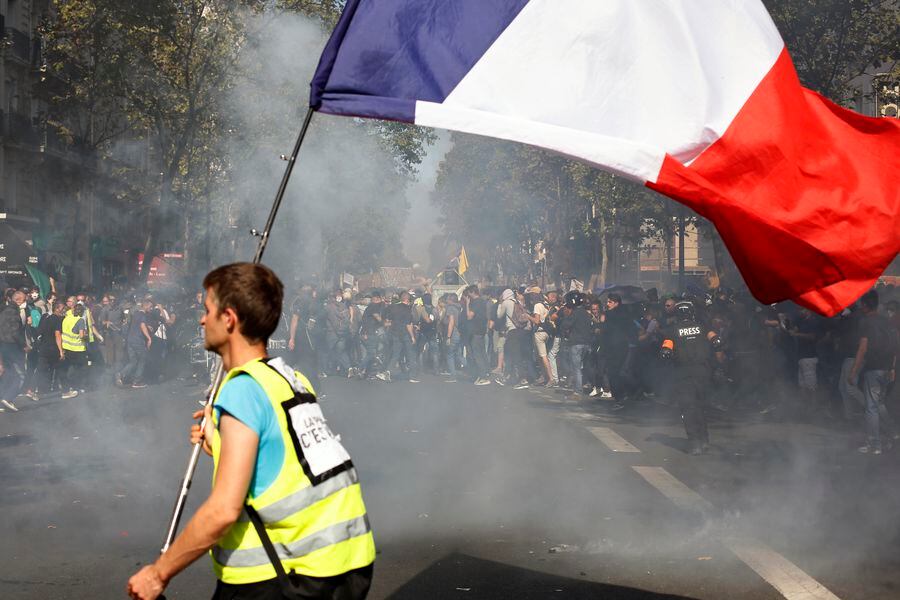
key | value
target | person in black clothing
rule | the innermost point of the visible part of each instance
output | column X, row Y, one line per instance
column 617, row 331
column 690, row 346
column 599, row 376
column 50, row 351
column 475, row 313
column 876, row 362
column 427, row 343
column 807, row 332
column 403, row 340
column 372, row 333
column 13, row 345
column 575, row 327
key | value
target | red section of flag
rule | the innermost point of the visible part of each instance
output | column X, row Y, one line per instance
column 804, row 193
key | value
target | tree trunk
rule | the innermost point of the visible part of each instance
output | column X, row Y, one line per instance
column 604, row 254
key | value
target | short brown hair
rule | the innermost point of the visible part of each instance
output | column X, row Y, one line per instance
column 252, row 291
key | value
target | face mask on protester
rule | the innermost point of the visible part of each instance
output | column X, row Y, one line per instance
column 35, row 295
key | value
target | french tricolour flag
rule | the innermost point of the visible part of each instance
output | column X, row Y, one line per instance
column 698, row 99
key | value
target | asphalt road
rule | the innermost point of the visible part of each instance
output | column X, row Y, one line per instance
column 474, row 492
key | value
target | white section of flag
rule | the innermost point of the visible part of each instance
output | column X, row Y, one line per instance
column 619, row 83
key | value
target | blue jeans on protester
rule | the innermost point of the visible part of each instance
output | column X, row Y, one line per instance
column 371, row 343
column 453, row 354
column 137, row 359
column 13, row 377
column 405, row 348
column 875, row 385
column 338, row 357
column 576, row 353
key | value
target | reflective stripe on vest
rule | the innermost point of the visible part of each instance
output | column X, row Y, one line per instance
column 71, row 341
column 254, row 557
column 282, row 509
column 319, row 530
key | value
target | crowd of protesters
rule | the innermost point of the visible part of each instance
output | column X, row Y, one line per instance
column 782, row 360
column 67, row 345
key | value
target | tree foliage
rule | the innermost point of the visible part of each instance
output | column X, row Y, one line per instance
column 500, row 199
column 148, row 87
column 833, row 41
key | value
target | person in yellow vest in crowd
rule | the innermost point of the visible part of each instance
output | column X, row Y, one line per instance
column 74, row 360
column 286, row 517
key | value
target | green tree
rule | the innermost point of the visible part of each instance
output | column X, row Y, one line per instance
column 503, row 200
column 833, row 41
column 147, row 90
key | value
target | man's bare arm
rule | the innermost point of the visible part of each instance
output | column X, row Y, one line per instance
column 215, row 515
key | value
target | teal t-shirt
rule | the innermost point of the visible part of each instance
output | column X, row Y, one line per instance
column 244, row 399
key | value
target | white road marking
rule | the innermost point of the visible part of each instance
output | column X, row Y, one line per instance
column 613, row 440
column 683, row 496
column 580, row 416
column 786, row 577
column 782, row 574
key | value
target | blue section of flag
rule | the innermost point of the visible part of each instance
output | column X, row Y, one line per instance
column 384, row 55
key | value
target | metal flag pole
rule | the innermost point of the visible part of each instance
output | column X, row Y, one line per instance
column 178, row 510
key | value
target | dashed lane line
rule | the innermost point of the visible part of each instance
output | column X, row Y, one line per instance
column 786, row 577
column 670, row 487
column 613, row 440
column 782, row 574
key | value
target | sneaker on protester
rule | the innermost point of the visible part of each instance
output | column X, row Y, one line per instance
column 522, row 385
column 383, row 376
column 137, row 386
column 9, row 405
column 69, row 394
column 414, row 380
column 594, row 392
column 605, row 394
column 869, row 450
column 482, row 381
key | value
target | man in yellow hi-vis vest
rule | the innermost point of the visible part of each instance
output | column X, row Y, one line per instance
column 286, row 517
column 74, row 334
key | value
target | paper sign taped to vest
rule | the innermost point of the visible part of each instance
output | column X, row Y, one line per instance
column 315, row 441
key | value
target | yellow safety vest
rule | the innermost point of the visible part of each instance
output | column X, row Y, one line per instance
column 89, row 322
column 71, row 341
column 313, row 512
